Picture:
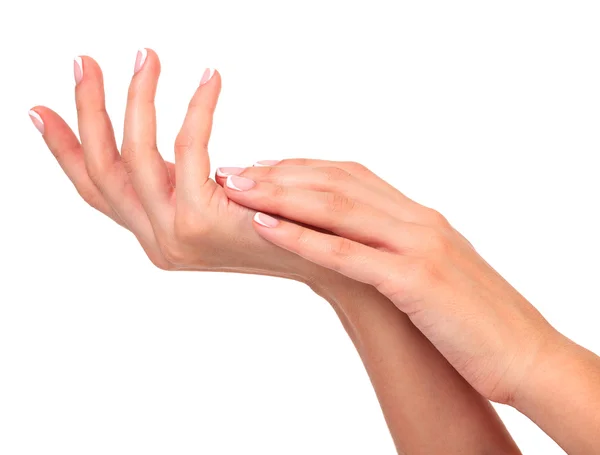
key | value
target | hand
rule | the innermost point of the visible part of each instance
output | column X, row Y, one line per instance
column 181, row 217
column 410, row 253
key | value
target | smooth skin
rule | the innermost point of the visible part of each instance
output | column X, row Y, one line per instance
column 185, row 221
column 370, row 232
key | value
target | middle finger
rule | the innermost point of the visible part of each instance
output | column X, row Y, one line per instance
column 332, row 211
column 331, row 179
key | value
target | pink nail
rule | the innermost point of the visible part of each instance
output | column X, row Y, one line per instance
column 140, row 59
column 239, row 183
column 37, row 121
column 226, row 171
column 265, row 220
column 78, row 69
column 208, row 74
column 266, row 163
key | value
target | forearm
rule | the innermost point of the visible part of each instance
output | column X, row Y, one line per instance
column 562, row 396
column 428, row 406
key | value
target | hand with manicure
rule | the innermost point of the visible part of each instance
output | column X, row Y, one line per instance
column 370, row 232
column 181, row 217
column 358, row 242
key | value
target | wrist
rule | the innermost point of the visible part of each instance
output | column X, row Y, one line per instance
column 539, row 382
column 338, row 290
column 562, row 396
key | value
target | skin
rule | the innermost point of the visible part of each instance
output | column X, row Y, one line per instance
column 185, row 221
column 369, row 231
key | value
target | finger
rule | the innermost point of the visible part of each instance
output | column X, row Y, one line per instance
column 141, row 158
column 356, row 261
column 355, row 169
column 332, row 211
column 328, row 179
column 419, row 213
column 66, row 148
column 191, row 146
column 102, row 159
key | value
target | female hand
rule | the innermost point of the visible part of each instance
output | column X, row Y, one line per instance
column 181, row 217
column 488, row 331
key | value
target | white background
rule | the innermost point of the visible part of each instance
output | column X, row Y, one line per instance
column 487, row 111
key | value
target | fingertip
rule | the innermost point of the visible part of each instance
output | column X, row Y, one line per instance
column 88, row 75
column 150, row 58
column 37, row 120
column 151, row 52
column 265, row 220
column 238, row 183
column 37, row 109
column 207, row 75
column 140, row 59
column 211, row 80
column 224, row 172
column 86, row 62
column 146, row 72
column 48, row 115
column 78, row 69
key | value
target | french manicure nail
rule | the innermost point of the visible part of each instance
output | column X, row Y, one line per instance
column 78, row 69
column 37, row 120
column 266, row 163
column 226, row 171
column 208, row 74
column 239, row 183
column 265, row 220
column 140, row 59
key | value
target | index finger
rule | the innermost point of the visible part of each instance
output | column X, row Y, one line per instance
column 192, row 162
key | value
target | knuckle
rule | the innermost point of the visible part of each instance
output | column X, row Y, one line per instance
column 293, row 162
column 98, row 169
column 339, row 203
column 355, row 168
column 301, row 238
column 266, row 173
column 92, row 110
column 437, row 219
column 129, row 158
column 392, row 287
column 278, row 192
column 436, row 243
column 425, row 272
column 335, row 173
column 341, row 247
column 183, row 142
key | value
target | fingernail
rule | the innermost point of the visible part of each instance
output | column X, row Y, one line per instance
column 239, row 183
column 78, row 69
column 265, row 220
column 208, row 74
column 37, row 120
column 266, row 163
column 140, row 59
column 225, row 171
